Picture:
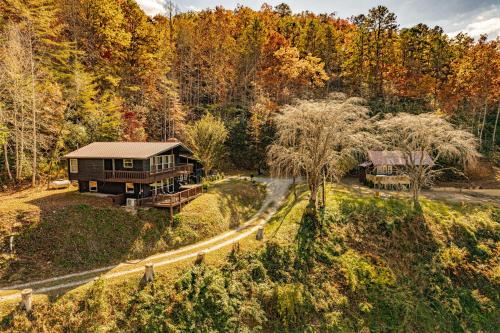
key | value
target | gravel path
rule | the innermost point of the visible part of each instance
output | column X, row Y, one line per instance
column 276, row 193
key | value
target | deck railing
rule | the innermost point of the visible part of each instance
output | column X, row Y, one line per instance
column 179, row 197
column 397, row 181
column 145, row 175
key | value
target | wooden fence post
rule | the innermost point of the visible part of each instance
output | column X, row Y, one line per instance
column 149, row 272
column 201, row 257
column 236, row 247
column 26, row 297
column 260, row 233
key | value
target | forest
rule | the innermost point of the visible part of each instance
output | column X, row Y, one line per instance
column 77, row 71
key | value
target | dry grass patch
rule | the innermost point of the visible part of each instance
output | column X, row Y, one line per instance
column 63, row 231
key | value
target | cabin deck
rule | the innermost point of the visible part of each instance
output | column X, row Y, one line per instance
column 171, row 201
column 387, row 182
column 189, row 193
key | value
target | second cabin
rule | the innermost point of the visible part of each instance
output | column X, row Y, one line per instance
column 387, row 169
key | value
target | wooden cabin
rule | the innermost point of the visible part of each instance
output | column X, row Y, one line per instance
column 386, row 169
column 145, row 171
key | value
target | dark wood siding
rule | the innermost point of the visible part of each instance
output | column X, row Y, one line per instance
column 111, row 188
column 90, row 169
column 138, row 165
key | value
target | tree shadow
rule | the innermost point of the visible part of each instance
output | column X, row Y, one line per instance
column 287, row 208
column 234, row 198
column 389, row 229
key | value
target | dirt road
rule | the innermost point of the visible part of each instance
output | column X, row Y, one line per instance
column 276, row 193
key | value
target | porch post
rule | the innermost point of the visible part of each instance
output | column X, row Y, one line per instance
column 171, row 215
column 113, row 166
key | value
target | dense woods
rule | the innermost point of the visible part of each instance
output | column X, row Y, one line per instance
column 77, row 71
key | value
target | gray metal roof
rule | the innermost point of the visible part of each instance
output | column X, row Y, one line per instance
column 137, row 150
column 396, row 157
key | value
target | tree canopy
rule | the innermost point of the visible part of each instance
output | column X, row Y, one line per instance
column 417, row 136
column 77, row 71
column 318, row 139
column 206, row 138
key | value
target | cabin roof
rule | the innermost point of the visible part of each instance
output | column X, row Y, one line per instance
column 396, row 157
column 136, row 150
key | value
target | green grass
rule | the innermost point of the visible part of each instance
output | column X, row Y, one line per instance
column 59, row 238
column 402, row 271
column 375, row 265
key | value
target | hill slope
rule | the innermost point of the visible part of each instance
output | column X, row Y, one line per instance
column 375, row 265
column 64, row 231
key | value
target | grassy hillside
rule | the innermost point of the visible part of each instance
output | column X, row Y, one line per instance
column 64, row 231
column 374, row 266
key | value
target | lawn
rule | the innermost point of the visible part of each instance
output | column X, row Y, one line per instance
column 63, row 231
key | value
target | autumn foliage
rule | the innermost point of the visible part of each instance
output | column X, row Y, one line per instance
column 104, row 70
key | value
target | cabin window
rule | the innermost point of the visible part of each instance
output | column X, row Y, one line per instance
column 158, row 163
column 164, row 161
column 129, row 188
column 73, row 165
column 389, row 169
column 382, row 170
column 170, row 161
column 92, row 186
column 128, row 163
column 169, row 184
column 157, row 187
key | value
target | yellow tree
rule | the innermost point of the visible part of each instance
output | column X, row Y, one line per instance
column 206, row 138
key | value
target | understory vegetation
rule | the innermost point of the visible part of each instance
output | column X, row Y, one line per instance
column 68, row 231
column 371, row 265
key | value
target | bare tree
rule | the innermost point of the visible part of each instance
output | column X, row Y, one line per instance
column 34, row 134
column 4, row 134
column 206, row 138
column 171, row 9
column 494, row 136
column 318, row 140
column 426, row 136
column 15, row 74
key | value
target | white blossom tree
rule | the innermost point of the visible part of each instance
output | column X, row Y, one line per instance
column 426, row 136
column 318, row 140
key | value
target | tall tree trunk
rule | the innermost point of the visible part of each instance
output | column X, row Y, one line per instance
column 16, row 148
column 6, row 161
column 483, row 124
column 314, row 196
column 33, row 114
column 494, row 139
column 323, row 195
column 416, row 195
column 19, row 171
column 5, row 147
